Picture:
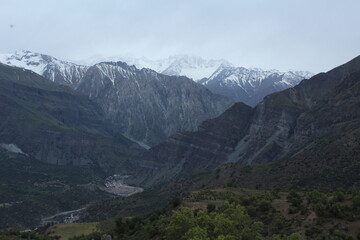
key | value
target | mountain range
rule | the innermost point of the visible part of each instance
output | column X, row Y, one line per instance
column 251, row 85
column 311, row 119
column 248, row 85
column 144, row 105
column 66, row 138
column 148, row 106
column 305, row 137
column 193, row 67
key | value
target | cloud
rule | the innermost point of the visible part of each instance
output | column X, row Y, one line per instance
column 308, row 35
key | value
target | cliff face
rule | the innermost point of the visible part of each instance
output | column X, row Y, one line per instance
column 148, row 106
column 56, row 125
column 282, row 125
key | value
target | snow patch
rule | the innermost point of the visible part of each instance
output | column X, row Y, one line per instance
column 12, row 148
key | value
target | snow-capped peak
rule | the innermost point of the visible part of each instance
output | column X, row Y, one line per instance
column 250, row 85
column 25, row 59
column 50, row 67
column 112, row 70
column 193, row 67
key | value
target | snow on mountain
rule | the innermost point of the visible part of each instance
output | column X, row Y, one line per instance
column 250, row 85
column 193, row 67
column 56, row 70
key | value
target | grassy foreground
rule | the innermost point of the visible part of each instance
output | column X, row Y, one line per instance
column 67, row 230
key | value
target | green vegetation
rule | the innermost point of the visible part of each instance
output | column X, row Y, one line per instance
column 232, row 213
column 68, row 230
column 235, row 213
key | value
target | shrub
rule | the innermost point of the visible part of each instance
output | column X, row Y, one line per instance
column 294, row 198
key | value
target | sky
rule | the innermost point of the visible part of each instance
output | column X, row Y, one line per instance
column 313, row 35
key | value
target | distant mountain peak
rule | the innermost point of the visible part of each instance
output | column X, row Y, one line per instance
column 56, row 70
column 191, row 66
column 250, row 85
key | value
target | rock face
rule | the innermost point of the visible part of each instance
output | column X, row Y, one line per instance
column 282, row 125
column 148, row 106
column 57, row 125
column 250, row 86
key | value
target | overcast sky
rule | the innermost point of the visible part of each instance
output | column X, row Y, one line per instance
column 314, row 35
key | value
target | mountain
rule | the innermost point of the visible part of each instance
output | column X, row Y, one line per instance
column 247, row 85
column 251, row 85
column 56, row 149
column 297, row 123
column 148, row 106
column 144, row 105
column 192, row 67
column 61, row 72
column 54, row 124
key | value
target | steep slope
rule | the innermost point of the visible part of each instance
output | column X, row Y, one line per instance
column 148, row 106
column 54, row 124
column 58, row 71
column 283, row 124
column 250, row 86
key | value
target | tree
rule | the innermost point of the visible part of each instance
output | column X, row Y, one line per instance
column 197, row 233
column 294, row 198
column 356, row 202
column 182, row 220
column 293, row 236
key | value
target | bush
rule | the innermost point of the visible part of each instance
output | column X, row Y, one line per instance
column 264, row 205
column 316, row 197
column 339, row 196
column 294, row 198
column 337, row 210
column 211, row 207
column 356, row 202
column 176, row 202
